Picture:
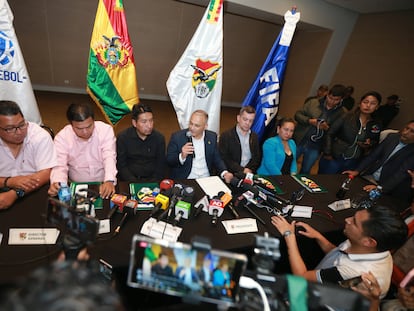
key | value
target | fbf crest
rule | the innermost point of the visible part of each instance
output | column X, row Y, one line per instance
column 6, row 49
column 204, row 77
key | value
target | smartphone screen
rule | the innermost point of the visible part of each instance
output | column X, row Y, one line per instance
column 177, row 269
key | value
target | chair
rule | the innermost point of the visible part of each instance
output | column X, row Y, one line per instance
column 49, row 130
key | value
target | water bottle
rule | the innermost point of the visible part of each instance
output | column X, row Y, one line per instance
column 64, row 192
column 375, row 194
column 344, row 188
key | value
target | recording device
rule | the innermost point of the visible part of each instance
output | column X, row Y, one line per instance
column 78, row 228
column 183, row 206
column 223, row 288
column 128, row 210
column 175, row 195
column 215, row 209
column 352, row 282
column 77, row 224
column 190, row 140
column 162, row 199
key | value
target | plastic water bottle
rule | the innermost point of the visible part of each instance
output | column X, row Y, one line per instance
column 64, row 192
column 375, row 194
column 344, row 187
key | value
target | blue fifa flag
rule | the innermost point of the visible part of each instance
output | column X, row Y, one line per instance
column 264, row 93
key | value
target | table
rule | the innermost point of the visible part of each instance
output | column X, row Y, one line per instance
column 30, row 212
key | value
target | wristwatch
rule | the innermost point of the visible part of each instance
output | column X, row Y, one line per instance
column 19, row 192
column 287, row 233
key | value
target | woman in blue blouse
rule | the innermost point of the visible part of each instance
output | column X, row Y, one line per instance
column 279, row 152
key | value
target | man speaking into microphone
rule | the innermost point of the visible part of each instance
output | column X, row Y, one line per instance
column 193, row 153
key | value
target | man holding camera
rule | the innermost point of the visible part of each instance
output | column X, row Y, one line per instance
column 314, row 120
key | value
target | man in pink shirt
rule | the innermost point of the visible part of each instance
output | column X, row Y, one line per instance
column 26, row 155
column 86, row 151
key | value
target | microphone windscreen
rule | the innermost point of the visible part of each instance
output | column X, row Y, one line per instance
column 166, row 184
column 189, row 136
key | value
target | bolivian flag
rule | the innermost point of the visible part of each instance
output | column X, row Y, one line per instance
column 111, row 79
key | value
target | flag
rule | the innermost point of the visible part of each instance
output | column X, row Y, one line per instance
column 196, row 80
column 15, row 82
column 111, row 78
column 264, row 93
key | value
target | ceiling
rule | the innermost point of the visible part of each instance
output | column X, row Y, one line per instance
column 374, row 6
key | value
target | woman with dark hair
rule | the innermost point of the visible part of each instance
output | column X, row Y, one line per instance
column 279, row 152
column 351, row 137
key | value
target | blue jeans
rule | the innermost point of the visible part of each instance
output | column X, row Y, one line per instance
column 310, row 155
column 336, row 166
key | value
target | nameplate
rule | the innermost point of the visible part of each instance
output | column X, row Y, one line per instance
column 160, row 230
column 240, row 225
column 340, row 205
column 302, row 211
column 33, row 236
column 104, row 226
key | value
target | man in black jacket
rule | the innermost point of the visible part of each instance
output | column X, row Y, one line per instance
column 239, row 146
column 389, row 162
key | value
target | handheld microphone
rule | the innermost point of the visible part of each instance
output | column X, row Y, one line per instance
column 198, row 210
column 183, row 206
column 121, row 223
column 161, row 202
column 119, row 200
column 175, row 193
column 166, row 185
column 190, row 140
column 215, row 208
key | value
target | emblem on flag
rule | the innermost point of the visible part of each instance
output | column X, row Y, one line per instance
column 112, row 52
column 6, row 49
column 204, row 77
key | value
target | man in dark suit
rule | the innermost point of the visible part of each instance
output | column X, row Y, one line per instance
column 239, row 146
column 389, row 162
column 193, row 153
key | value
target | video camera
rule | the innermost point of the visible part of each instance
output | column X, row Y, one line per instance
column 77, row 226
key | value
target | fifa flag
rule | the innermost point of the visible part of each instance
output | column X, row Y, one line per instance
column 15, row 83
column 111, row 78
column 196, row 80
column 264, row 93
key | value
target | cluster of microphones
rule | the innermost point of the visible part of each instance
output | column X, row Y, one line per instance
column 175, row 202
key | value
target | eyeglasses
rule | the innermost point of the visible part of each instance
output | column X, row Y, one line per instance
column 13, row 129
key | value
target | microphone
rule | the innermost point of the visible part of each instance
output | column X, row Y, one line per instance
column 166, row 185
column 183, row 206
column 161, row 202
column 226, row 197
column 129, row 209
column 175, row 193
column 190, row 140
column 215, row 208
column 119, row 201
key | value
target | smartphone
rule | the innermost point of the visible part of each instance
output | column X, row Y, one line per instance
column 209, row 275
column 352, row 282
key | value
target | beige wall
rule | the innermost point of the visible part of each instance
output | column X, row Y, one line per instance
column 54, row 36
column 380, row 56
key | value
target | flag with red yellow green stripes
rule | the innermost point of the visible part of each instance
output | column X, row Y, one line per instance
column 111, row 78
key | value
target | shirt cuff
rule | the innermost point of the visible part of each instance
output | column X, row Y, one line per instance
column 180, row 158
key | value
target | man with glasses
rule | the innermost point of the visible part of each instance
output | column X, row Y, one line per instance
column 140, row 148
column 86, row 152
column 26, row 154
column 314, row 120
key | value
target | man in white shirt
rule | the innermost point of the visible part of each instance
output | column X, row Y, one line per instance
column 27, row 154
column 193, row 152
